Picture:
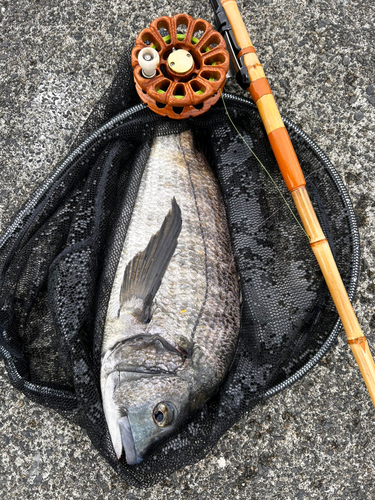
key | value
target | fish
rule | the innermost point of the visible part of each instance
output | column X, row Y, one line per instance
column 173, row 316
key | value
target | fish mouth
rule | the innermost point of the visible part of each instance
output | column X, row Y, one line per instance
column 128, row 444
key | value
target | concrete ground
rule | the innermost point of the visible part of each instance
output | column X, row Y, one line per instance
column 315, row 439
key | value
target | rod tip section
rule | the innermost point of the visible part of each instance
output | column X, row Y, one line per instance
column 365, row 363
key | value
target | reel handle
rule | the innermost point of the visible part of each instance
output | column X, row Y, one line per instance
column 148, row 59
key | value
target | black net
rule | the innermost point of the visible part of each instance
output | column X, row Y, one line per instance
column 59, row 256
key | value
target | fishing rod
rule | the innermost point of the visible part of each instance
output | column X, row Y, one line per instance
column 250, row 75
column 179, row 76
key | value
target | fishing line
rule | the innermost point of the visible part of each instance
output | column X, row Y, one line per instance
column 264, row 168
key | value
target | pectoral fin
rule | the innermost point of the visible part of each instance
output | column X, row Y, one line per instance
column 144, row 273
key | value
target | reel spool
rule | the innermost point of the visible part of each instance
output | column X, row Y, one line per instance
column 180, row 65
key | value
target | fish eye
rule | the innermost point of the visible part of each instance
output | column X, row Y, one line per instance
column 163, row 414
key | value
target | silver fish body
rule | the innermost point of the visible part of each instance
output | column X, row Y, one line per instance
column 174, row 311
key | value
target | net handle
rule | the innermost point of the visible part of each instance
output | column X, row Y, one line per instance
column 294, row 179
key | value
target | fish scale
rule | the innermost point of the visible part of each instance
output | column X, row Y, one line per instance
column 165, row 176
column 174, row 311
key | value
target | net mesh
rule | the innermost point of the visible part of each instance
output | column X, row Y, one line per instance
column 59, row 256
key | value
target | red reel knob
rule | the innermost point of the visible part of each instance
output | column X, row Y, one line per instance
column 192, row 69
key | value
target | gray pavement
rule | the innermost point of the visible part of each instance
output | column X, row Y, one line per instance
column 314, row 440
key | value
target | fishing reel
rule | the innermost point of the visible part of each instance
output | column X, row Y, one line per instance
column 180, row 65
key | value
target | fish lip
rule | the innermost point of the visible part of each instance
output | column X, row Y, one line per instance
column 128, row 444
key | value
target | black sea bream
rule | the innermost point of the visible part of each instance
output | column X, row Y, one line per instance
column 174, row 311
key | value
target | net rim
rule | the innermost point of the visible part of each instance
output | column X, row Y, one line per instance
column 129, row 113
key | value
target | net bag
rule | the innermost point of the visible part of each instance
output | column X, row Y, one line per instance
column 59, row 256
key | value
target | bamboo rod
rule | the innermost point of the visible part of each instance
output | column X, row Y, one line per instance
column 294, row 179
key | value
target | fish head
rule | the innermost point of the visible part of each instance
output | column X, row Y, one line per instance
column 145, row 410
column 149, row 389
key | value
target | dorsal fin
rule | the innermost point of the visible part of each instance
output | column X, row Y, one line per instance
column 144, row 273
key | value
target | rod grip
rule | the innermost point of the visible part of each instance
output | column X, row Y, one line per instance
column 262, row 95
column 238, row 26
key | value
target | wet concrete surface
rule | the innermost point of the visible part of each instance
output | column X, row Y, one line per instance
column 315, row 439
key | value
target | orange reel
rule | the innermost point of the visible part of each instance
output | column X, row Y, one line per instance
column 191, row 66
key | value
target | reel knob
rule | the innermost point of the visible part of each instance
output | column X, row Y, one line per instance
column 180, row 61
column 189, row 71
